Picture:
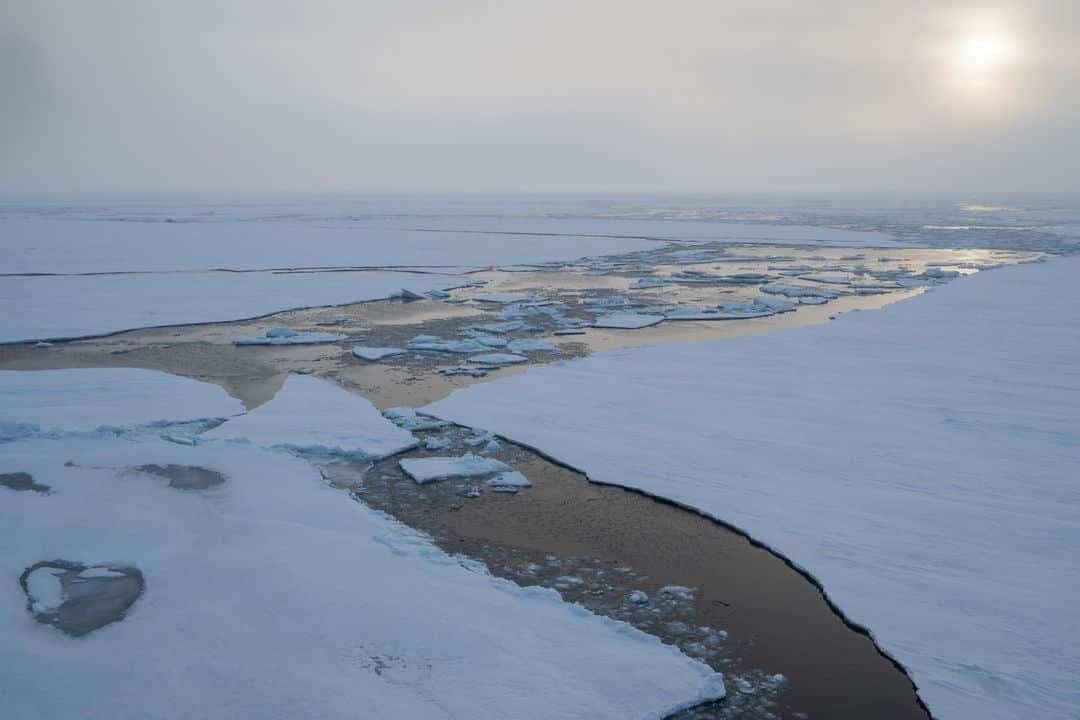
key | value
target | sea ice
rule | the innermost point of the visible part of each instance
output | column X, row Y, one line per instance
column 965, row 427
column 470, row 370
column 375, row 353
column 316, row 415
column 431, row 469
column 409, row 419
column 432, row 343
column 799, row 291
column 829, row 278
column 628, row 320
column 648, row 282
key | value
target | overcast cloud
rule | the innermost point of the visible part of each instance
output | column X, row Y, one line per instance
column 583, row 96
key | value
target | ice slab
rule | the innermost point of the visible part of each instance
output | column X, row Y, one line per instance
column 435, row 344
column 628, row 320
column 829, row 278
column 509, row 478
column 375, row 353
column 503, row 298
column 648, row 282
column 530, row 345
column 917, row 460
column 431, row 469
column 409, row 419
column 316, row 415
column 103, row 399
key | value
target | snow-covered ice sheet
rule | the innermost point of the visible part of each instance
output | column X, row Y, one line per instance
column 49, row 245
column 317, row 415
column 276, row 596
column 88, row 400
column 920, row 461
column 79, row 306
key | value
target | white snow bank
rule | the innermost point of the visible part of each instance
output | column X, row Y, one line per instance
column 430, row 469
column 920, row 461
column 276, row 596
column 88, row 400
column 317, row 415
column 81, row 306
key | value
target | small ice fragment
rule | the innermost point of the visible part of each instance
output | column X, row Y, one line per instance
column 431, row 469
column 680, row 591
column 503, row 298
column 375, row 353
column 501, row 327
column 648, row 282
column 302, row 371
column 498, row 359
column 627, row 320
column 280, row 332
column 425, row 342
column 510, row 478
column 43, row 344
column 464, row 370
column 438, row 442
column 637, row 597
column 404, row 294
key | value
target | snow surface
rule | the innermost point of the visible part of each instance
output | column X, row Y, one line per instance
column 317, row 415
column 279, row 597
column 430, row 469
column 919, row 461
column 56, row 307
column 86, row 400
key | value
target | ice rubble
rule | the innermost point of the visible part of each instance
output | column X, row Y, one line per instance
column 798, row 291
column 280, row 597
column 375, row 353
column 316, row 415
column 288, row 336
column 409, row 419
column 89, row 400
column 430, row 469
column 530, row 345
column 917, row 461
column 437, row 344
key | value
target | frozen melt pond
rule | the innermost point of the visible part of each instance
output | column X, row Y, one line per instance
column 78, row 599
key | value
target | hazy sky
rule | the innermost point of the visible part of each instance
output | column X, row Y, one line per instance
column 548, row 96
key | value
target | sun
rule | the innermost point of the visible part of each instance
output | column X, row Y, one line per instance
column 982, row 55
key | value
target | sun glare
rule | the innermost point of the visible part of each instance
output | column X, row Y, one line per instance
column 981, row 56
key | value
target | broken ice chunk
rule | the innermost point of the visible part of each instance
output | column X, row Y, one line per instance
column 679, row 591
column 438, row 442
column 627, row 320
column 375, row 353
column 648, row 282
column 431, row 469
column 498, row 359
column 775, row 304
column 501, row 327
column 510, row 478
column 404, row 294
column 638, row 597
column 829, row 278
column 799, row 291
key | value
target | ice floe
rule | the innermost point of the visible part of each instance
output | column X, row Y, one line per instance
column 530, row 345
column 509, row 478
column 316, row 415
column 431, row 469
column 376, row 353
column 627, row 320
column 437, row 344
column 498, row 359
column 799, row 291
column 104, row 399
column 408, row 419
